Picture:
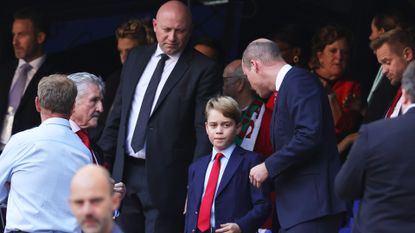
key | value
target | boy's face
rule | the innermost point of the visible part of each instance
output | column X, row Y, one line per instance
column 221, row 130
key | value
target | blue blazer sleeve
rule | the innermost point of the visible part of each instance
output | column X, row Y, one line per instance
column 350, row 179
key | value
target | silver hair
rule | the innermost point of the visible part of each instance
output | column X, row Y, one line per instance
column 81, row 79
column 408, row 80
column 264, row 50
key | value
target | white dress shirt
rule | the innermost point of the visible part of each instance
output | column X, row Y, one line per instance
column 281, row 75
column 39, row 164
column 140, row 91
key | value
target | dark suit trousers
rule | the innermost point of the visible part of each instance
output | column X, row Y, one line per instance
column 326, row 224
column 138, row 213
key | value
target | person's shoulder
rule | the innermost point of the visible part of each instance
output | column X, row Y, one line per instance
column 301, row 75
column 196, row 57
column 247, row 154
column 8, row 64
column 142, row 49
column 200, row 160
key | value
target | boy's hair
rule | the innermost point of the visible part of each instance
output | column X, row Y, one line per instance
column 226, row 105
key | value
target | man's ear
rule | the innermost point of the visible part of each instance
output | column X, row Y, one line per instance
column 406, row 100
column 116, row 200
column 41, row 37
column 240, row 84
column 297, row 51
column 408, row 54
column 255, row 66
column 37, row 104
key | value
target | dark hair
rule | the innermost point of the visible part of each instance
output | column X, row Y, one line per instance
column 325, row 36
column 211, row 43
column 292, row 34
column 389, row 20
column 397, row 39
column 38, row 18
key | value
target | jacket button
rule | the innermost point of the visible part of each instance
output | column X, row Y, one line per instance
column 193, row 230
column 195, row 212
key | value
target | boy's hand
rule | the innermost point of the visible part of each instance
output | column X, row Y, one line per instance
column 258, row 175
column 229, row 228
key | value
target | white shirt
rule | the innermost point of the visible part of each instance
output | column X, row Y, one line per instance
column 39, row 163
column 397, row 108
column 140, row 91
column 223, row 162
column 9, row 118
column 281, row 75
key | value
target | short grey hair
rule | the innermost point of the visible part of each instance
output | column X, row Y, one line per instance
column 264, row 50
column 408, row 80
column 57, row 93
column 82, row 79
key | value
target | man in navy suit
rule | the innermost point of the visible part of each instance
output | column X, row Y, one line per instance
column 155, row 172
column 236, row 205
column 380, row 169
column 305, row 158
column 18, row 112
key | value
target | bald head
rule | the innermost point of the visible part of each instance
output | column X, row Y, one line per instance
column 92, row 175
column 172, row 27
column 231, row 67
column 263, row 50
column 92, row 200
column 175, row 7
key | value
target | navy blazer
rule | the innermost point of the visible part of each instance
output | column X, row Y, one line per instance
column 176, row 129
column 380, row 170
column 305, row 159
column 237, row 201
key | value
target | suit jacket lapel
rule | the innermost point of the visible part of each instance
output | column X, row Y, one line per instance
column 200, row 176
column 231, row 167
column 176, row 74
column 44, row 69
column 136, row 69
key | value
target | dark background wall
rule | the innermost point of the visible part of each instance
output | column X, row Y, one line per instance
column 82, row 31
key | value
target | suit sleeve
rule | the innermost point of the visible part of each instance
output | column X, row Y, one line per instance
column 261, row 205
column 108, row 139
column 209, row 85
column 350, row 179
column 305, row 102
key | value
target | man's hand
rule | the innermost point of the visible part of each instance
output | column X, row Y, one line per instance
column 258, row 175
column 229, row 228
column 120, row 190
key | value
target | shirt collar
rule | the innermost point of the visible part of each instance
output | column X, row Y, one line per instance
column 173, row 57
column 281, row 74
column 226, row 152
column 75, row 127
column 35, row 63
column 56, row 120
column 409, row 107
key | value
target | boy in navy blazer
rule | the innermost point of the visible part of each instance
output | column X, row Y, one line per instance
column 220, row 196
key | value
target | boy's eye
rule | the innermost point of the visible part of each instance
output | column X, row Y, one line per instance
column 212, row 125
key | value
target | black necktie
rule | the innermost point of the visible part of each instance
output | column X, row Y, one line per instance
column 139, row 135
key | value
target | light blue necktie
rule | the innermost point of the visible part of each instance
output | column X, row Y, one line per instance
column 16, row 92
